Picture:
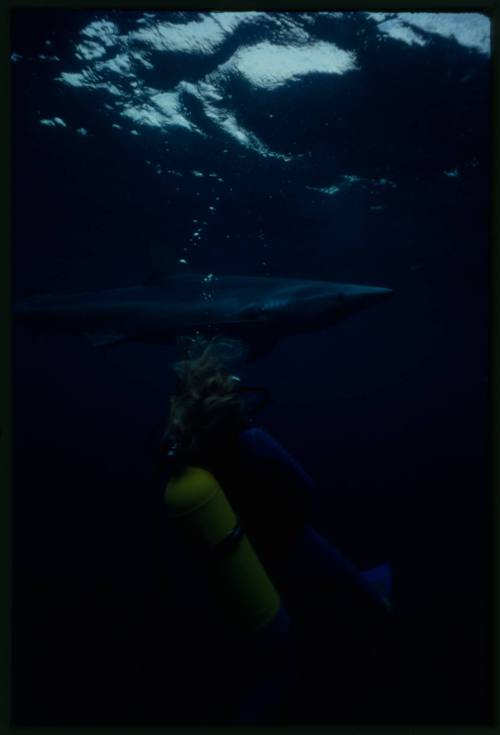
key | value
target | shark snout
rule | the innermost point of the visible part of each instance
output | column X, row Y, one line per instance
column 350, row 299
column 361, row 295
column 374, row 293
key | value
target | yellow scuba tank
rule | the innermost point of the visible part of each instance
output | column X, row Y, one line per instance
column 199, row 506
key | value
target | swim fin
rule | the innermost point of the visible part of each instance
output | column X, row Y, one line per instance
column 379, row 578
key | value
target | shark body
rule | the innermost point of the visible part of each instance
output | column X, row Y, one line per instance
column 259, row 310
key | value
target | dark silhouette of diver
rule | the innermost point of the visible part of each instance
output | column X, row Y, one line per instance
column 324, row 654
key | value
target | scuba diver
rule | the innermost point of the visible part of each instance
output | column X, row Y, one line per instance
column 310, row 637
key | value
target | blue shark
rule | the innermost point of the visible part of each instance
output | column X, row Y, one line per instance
column 257, row 310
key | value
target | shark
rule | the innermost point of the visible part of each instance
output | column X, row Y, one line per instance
column 258, row 310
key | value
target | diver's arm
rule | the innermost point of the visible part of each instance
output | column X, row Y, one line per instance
column 263, row 456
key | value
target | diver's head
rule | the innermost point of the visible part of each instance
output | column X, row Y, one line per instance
column 209, row 407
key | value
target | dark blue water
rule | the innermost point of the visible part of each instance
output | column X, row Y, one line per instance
column 340, row 147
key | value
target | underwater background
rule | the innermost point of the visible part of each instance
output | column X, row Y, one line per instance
column 351, row 147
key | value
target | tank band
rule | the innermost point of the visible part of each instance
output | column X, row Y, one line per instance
column 227, row 544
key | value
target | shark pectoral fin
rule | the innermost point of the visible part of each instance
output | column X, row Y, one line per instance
column 105, row 340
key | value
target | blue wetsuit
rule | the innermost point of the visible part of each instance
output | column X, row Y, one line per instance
column 327, row 651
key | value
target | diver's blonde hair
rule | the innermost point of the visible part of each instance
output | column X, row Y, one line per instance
column 207, row 400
